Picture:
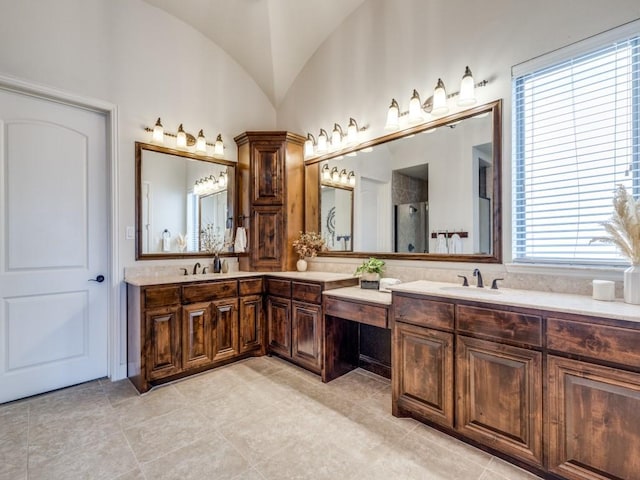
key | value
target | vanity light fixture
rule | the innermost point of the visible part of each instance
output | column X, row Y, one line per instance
column 415, row 108
column 181, row 138
column 336, row 137
column 309, row 143
column 158, row 132
column 322, row 141
column 437, row 104
column 201, row 142
column 352, row 132
column 393, row 116
column 326, row 174
column 352, row 178
column 335, row 175
column 222, row 179
column 218, row 147
column 440, row 106
column 344, row 178
column 337, row 141
column 467, row 95
column 184, row 140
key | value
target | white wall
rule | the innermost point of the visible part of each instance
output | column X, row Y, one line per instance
column 146, row 62
column 135, row 56
column 385, row 49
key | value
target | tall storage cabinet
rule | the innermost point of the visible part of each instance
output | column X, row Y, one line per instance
column 271, row 177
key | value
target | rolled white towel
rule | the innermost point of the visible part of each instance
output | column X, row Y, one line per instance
column 455, row 244
column 441, row 244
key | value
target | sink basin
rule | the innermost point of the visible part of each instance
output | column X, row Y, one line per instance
column 471, row 290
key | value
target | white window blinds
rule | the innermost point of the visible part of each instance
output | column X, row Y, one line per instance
column 576, row 136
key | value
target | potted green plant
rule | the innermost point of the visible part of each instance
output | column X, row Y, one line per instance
column 369, row 273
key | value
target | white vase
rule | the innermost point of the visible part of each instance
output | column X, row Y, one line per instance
column 632, row 285
column 301, row 265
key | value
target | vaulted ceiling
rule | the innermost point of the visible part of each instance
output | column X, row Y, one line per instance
column 271, row 39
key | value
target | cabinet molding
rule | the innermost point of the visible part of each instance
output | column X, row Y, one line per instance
column 594, row 421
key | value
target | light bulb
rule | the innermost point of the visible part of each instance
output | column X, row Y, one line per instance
column 336, row 137
column 222, row 179
column 467, row 95
column 322, row 141
column 326, row 174
column 393, row 116
column 308, row 146
column 218, row 148
column 352, row 132
column 440, row 99
column 201, row 142
column 415, row 109
column 158, row 132
column 181, row 138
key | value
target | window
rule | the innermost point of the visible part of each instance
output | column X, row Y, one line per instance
column 576, row 137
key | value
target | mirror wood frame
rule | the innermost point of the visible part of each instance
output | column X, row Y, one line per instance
column 232, row 198
column 312, row 188
column 349, row 189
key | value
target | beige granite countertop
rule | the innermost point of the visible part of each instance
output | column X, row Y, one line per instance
column 144, row 280
column 363, row 294
column 559, row 302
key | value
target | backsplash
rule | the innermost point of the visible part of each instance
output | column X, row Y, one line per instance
column 575, row 280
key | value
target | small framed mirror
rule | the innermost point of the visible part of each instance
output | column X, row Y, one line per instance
column 180, row 195
column 336, row 216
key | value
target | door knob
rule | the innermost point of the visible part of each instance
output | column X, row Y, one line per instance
column 99, row 279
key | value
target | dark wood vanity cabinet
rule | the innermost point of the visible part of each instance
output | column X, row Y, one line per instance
column 162, row 355
column 423, row 359
column 295, row 321
column 175, row 330
column 267, row 162
column 559, row 393
column 471, row 370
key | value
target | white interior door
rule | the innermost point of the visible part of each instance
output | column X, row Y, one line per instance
column 53, row 240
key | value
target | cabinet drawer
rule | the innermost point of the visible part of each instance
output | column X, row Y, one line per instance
column 357, row 312
column 500, row 325
column 306, row 292
column 278, row 287
column 428, row 313
column 160, row 296
column 250, row 286
column 203, row 292
column 601, row 342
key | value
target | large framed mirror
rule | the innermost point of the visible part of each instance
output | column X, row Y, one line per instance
column 429, row 192
column 181, row 198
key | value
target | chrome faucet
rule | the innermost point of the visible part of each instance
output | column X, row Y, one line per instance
column 478, row 275
column 195, row 267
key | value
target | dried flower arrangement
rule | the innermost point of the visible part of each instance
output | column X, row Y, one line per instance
column 623, row 228
column 308, row 244
column 212, row 242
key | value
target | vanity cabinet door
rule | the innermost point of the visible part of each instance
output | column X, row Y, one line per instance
column 162, row 356
column 267, row 238
column 251, row 323
column 423, row 373
column 196, row 335
column 268, row 173
column 499, row 392
column 225, row 328
column 279, row 325
column 306, row 335
column 594, row 421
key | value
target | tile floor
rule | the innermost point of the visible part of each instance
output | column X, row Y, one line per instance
column 259, row 419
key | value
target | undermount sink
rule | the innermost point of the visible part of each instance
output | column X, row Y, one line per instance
column 471, row 290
